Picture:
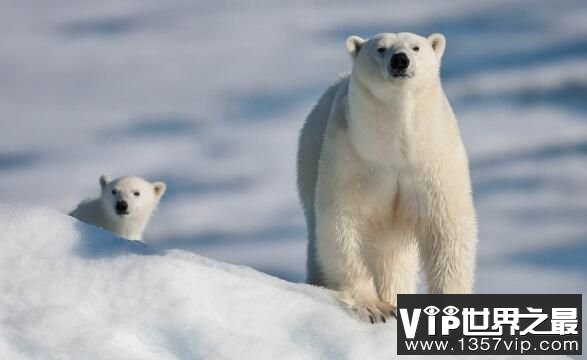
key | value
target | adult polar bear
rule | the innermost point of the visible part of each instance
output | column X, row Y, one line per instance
column 383, row 177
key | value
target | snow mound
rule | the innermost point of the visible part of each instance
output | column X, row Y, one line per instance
column 70, row 290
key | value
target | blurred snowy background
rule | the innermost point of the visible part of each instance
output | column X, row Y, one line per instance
column 209, row 97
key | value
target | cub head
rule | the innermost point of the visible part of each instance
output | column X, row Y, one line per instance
column 390, row 62
column 130, row 196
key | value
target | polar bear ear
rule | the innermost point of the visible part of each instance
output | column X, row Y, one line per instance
column 159, row 188
column 354, row 45
column 104, row 180
column 438, row 43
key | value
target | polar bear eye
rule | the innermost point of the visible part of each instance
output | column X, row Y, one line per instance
column 381, row 50
column 416, row 48
column 113, row 192
column 137, row 194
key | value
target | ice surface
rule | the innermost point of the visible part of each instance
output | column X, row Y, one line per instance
column 70, row 290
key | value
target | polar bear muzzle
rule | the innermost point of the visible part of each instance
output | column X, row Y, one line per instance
column 399, row 62
column 399, row 65
column 121, row 208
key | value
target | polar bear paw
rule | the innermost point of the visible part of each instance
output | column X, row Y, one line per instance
column 375, row 312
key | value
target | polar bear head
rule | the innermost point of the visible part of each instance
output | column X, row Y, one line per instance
column 130, row 197
column 391, row 62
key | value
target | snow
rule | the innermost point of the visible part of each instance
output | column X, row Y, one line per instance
column 71, row 290
column 209, row 96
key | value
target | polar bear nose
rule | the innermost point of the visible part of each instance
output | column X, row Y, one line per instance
column 121, row 205
column 399, row 61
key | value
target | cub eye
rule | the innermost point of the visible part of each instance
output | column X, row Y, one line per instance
column 113, row 192
column 416, row 48
column 381, row 50
column 137, row 194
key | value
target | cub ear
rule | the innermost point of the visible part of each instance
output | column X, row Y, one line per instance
column 159, row 188
column 438, row 43
column 354, row 45
column 104, row 180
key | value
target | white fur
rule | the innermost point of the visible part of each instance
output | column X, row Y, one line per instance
column 384, row 180
column 141, row 196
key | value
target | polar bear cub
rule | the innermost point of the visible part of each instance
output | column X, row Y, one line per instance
column 384, row 179
column 124, row 206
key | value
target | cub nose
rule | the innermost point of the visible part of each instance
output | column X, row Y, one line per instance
column 399, row 61
column 121, row 205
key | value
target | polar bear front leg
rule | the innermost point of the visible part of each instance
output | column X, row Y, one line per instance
column 396, row 271
column 447, row 249
column 341, row 255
